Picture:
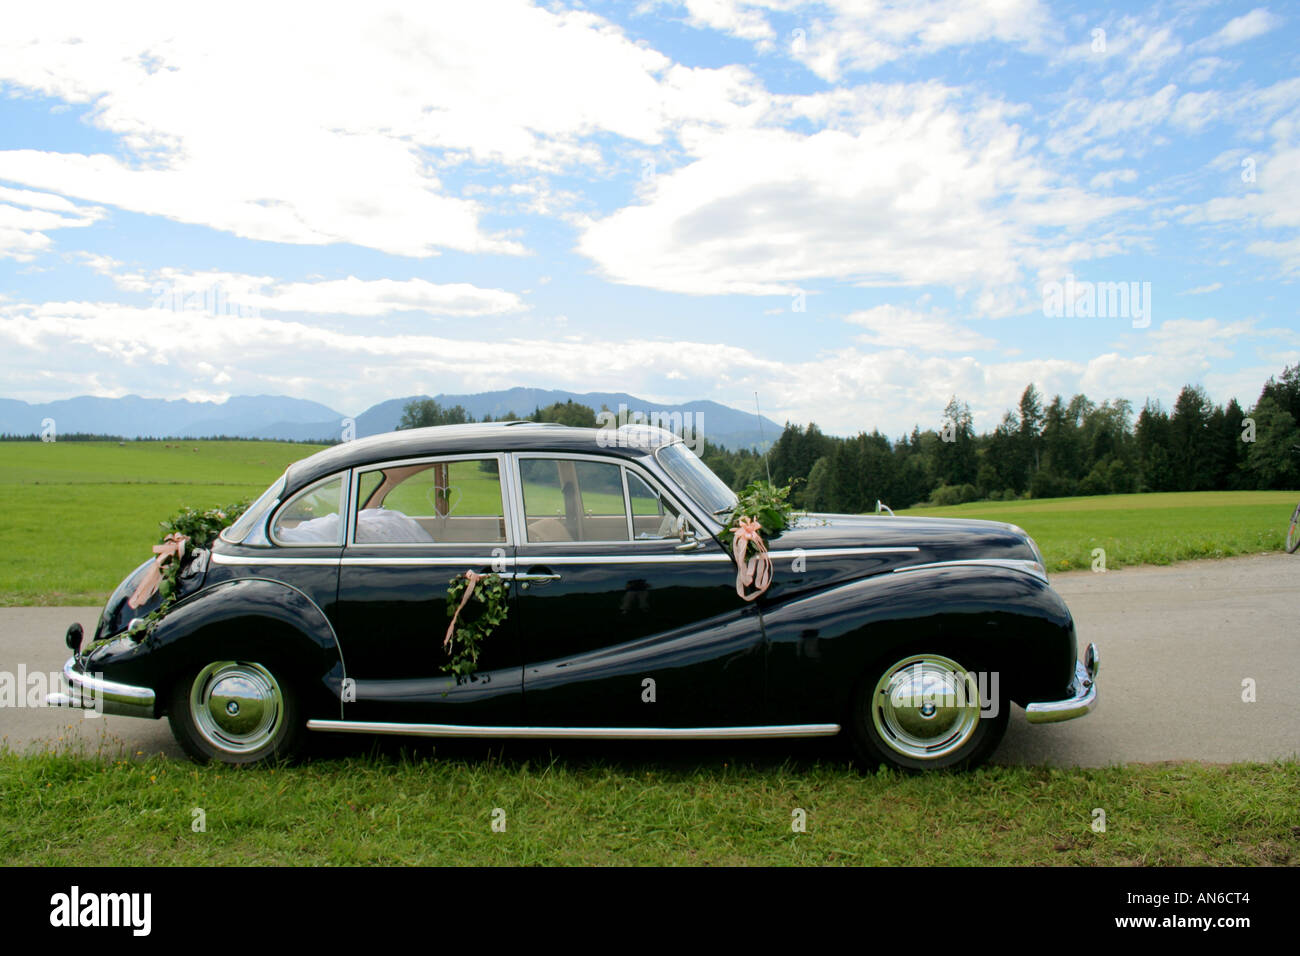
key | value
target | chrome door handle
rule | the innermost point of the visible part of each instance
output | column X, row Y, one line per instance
column 522, row 576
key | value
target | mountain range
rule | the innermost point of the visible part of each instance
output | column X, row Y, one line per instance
column 296, row 419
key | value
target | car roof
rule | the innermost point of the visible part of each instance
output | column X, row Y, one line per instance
column 630, row 441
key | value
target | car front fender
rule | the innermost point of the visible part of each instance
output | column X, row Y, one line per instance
column 992, row 617
column 255, row 619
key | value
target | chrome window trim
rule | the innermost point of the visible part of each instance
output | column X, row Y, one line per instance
column 344, row 478
column 652, row 480
column 621, row 733
column 627, row 503
column 653, row 455
column 282, row 481
column 704, row 520
column 354, row 502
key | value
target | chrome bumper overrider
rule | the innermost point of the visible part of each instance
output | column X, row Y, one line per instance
column 89, row 692
column 1082, row 700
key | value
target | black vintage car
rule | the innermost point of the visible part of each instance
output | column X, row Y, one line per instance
column 324, row 608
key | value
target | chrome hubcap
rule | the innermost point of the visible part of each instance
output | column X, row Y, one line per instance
column 236, row 706
column 926, row 706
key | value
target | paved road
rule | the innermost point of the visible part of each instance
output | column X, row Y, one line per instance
column 1176, row 644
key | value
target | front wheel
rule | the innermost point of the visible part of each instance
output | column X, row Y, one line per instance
column 1293, row 532
column 235, row 712
column 925, row 711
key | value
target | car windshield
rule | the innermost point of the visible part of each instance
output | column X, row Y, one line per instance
column 694, row 477
column 238, row 531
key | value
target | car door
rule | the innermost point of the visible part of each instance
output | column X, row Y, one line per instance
column 414, row 526
column 622, row 624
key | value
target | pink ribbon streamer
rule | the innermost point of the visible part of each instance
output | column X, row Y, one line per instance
column 173, row 546
column 757, row 571
column 473, row 578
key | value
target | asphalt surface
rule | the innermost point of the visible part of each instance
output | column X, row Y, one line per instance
column 1176, row 645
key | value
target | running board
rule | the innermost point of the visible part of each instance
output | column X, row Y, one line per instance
column 620, row 733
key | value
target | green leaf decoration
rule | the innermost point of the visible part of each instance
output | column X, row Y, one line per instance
column 483, row 613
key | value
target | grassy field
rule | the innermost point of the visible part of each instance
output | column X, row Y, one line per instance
column 70, row 810
column 79, row 515
column 1142, row 529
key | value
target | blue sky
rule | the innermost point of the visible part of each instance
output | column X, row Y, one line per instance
column 853, row 208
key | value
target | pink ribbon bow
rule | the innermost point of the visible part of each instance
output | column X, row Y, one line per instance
column 757, row 571
column 173, row 546
column 473, row 578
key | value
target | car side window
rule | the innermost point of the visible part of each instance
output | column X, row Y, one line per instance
column 311, row 517
column 653, row 516
column 573, row 500
column 450, row 502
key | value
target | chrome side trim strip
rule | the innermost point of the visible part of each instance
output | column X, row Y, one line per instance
column 1014, row 564
column 840, row 552
column 468, row 560
column 239, row 559
column 619, row 733
column 559, row 559
column 472, row 559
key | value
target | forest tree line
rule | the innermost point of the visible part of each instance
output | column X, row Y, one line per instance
column 1041, row 449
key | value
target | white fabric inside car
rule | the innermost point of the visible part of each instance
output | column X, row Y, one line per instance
column 381, row 526
column 374, row 526
column 322, row 530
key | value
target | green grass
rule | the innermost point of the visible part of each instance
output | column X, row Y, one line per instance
column 78, row 516
column 70, row 809
column 1142, row 529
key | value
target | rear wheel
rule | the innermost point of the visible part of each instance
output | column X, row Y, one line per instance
column 1293, row 532
column 235, row 712
column 926, row 711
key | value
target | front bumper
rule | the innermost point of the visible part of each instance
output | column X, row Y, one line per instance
column 91, row 692
column 1082, row 699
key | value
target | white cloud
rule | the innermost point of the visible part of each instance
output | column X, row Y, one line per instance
column 1107, row 179
column 736, row 18
column 177, row 289
column 1240, row 29
column 893, row 326
column 353, row 296
column 1082, row 122
column 1203, row 289
column 902, row 185
column 837, row 37
column 347, row 133
column 26, row 217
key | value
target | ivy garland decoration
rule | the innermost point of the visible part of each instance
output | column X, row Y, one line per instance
column 762, row 511
column 762, row 502
column 489, row 602
column 185, row 532
column 163, row 579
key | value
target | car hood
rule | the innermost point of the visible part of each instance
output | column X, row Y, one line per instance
column 819, row 550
